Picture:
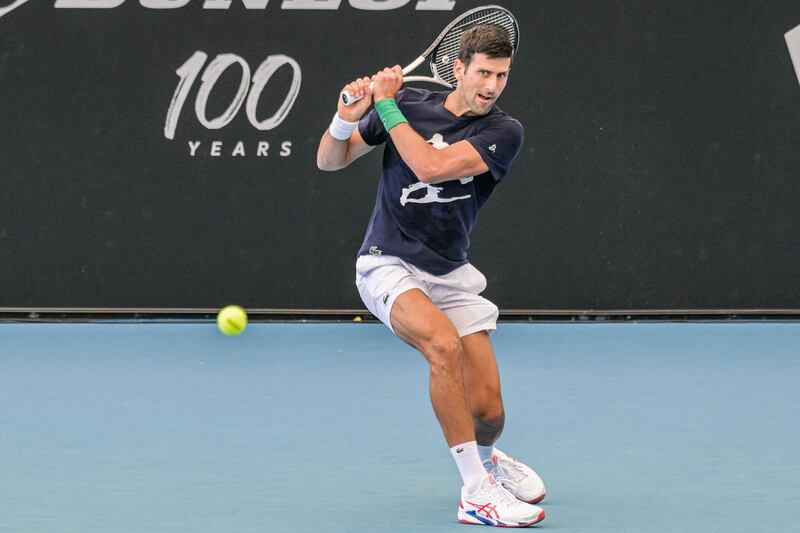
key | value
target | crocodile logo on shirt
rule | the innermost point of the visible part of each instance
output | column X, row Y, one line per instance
column 431, row 192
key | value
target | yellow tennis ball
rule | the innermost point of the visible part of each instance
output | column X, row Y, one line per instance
column 232, row 320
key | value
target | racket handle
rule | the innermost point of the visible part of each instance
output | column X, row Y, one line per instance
column 348, row 99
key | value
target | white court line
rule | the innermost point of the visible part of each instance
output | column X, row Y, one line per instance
column 793, row 42
column 15, row 5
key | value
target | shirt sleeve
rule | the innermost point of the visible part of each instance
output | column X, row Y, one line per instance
column 498, row 144
column 371, row 127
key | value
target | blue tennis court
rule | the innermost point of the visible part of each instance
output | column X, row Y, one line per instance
column 636, row 427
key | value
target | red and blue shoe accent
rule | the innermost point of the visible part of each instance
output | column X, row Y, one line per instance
column 492, row 505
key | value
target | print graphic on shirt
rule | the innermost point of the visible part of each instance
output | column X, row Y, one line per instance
column 431, row 192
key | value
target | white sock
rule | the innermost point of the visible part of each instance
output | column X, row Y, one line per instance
column 469, row 464
column 486, row 452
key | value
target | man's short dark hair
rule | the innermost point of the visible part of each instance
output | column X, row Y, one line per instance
column 488, row 39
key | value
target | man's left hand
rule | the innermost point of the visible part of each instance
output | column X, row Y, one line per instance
column 387, row 82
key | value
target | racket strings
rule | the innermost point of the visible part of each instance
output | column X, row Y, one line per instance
column 447, row 51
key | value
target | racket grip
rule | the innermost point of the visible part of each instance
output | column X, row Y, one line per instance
column 348, row 99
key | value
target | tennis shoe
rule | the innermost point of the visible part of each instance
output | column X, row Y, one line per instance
column 518, row 478
column 492, row 505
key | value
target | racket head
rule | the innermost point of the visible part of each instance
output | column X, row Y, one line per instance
column 444, row 50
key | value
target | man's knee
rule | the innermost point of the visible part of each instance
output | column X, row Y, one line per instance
column 493, row 419
column 489, row 426
column 444, row 353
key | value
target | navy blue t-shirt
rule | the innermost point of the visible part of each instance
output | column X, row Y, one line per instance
column 428, row 225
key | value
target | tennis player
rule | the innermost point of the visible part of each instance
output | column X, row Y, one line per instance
column 445, row 152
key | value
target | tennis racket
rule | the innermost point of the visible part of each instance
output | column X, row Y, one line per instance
column 444, row 50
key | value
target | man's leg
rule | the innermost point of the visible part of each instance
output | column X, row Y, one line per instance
column 422, row 325
column 482, row 387
column 416, row 320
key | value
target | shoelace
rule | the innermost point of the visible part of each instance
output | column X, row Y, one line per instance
column 514, row 465
column 500, row 493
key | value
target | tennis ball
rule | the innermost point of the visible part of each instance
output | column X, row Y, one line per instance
column 232, row 320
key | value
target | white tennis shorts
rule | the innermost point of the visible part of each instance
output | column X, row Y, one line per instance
column 381, row 279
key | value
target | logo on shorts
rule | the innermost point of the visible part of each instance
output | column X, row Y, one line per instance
column 459, row 450
column 385, row 298
column 374, row 250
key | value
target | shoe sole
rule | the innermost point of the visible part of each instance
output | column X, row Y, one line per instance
column 496, row 523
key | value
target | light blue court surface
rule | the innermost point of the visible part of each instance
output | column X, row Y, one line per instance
column 328, row 428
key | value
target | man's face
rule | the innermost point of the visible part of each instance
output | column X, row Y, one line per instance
column 481, row 82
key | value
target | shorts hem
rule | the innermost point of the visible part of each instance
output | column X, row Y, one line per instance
column 475, row 329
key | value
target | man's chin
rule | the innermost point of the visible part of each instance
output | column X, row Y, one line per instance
column 483, row 108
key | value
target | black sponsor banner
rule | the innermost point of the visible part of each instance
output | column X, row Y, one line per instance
column 161, row 153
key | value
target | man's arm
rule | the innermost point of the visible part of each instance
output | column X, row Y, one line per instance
column 335, row 154
column 431, row 165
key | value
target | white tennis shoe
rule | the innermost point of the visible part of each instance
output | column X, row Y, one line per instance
column 518, row 478
column 492, row 505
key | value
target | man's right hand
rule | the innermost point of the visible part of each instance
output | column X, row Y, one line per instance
column 354, row 112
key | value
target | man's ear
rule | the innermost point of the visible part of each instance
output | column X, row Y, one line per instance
column 458, row 69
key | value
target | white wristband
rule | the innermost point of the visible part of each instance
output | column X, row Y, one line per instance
column 341, row 129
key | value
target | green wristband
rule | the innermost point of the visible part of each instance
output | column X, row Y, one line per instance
column 389, row 112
